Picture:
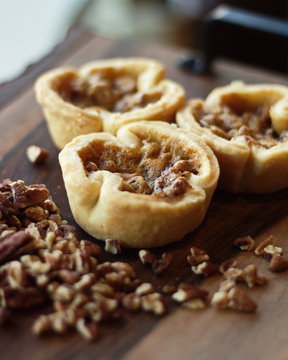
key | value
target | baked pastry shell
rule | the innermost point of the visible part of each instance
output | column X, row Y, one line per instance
column 66, row 120
column 243, row 167
column 137, row 220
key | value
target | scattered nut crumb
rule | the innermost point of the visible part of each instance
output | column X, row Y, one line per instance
column 278, row 263
column 36, row 154
column 159, row 266
column 239, row 300
column 271, row 250
column 205, row 268
column 112, row 247
column 155, row 303
column 186, row 292
column 144, row 289
column 260, row 248
column 195, row 304
column 88, row 330
column 197, row 256
column 146, row 257
column 245, row 243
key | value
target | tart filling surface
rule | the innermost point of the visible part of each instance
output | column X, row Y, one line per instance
column 104, row 95
column 227, row 123
column 107, row 91
column 149, row 186
column 158, row 169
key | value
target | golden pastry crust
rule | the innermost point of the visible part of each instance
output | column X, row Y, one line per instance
column 246, row 127
column 104, row 95
column 149, row 186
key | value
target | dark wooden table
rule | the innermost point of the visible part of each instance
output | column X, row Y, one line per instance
column 182, row 334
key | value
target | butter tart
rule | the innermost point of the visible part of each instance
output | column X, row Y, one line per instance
column 149, row 186
column 104, row 95
column 247, row 128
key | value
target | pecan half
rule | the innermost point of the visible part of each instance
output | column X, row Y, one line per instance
column 12, row 243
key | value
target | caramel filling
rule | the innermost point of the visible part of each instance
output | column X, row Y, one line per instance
column 161, row 170
column 113, row 93
column 226, row 123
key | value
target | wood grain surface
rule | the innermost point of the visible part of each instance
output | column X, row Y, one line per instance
column 182, row 334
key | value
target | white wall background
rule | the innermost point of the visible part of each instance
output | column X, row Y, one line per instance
column 29, row 29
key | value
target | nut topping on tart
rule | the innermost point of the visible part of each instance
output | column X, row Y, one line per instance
column 155, row 169
column 149, row 186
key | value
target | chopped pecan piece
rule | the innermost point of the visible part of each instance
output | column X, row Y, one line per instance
column 220, row 300
column 251, row 277
column 144, row 289
column 88, row 330
column 154, row 302
column 36, row 154
column 147, row 257
column 188, row 292
column 245, row 243
column 132, row 302
column 159, row 266
column 197, row 256
column 17, row 277
column 260, row 248
column 240, row 301
column 195, row 304
column 278, row 263
column 205, row 268
column 112, row 247
column 271, row 250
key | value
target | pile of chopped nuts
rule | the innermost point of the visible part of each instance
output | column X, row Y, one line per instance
column 42, row 262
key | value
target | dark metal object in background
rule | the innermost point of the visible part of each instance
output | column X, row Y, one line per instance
column 244, row 36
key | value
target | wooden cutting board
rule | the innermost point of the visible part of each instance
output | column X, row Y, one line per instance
column 182, row 334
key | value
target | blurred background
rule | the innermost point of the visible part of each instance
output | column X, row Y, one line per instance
column 30, row 29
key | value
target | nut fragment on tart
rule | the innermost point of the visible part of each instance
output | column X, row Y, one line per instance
column 247, row 128
column 149, row 186
column 105, row 94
